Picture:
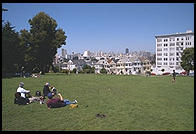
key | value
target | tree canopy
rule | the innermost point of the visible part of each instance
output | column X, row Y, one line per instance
column 32, row 50
column 11, row 55
column 188, row 59
column 42, row 41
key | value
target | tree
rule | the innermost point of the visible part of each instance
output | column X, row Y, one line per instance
column 42, row 41
column 88, row 69
column 103, row 71
column 11, row 55
column 188, row 59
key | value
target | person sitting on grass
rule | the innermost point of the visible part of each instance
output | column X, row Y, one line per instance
column 46, row 89
column 22, row 91
column 20, row 100
column 26, row 94
column 58, row 101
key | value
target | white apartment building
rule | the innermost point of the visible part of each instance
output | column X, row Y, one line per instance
column 169, row 48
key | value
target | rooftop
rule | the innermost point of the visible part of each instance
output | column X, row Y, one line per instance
column 188, row 32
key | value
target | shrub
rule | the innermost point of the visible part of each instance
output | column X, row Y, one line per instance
column 65, row 71
column 103, row 71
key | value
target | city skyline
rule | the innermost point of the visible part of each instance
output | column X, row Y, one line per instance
column 107, row 26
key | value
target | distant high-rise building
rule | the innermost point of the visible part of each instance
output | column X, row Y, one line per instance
column 64, row 53
column 86, row 54
column 126, row 51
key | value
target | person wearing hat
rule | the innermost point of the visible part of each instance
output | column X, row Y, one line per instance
column 22, row 90
column 46, row 89
column 23, row 93
column 58, row 101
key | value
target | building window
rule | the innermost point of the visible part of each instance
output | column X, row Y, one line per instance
column 182, row 38
column 159, row 63
column 165, row 59
column 182, row 43
column 159, row 58
column 172, row 49
column 171, row 59
column 177, row 39
column 177, row 58
column 165, row 63
column 159, row 40
column 165, row 54
column 176, row 63
column 172, row 44
column 158, row 45
column 177, row 54
column 165, row 45
column 190, row 43
column 159, row 54
column 165, row 49
column 177, row 48
column 171, row 63
column 172, row 39
column 171, row 54
column 159, row 49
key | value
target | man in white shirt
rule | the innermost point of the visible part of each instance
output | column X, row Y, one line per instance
column 22, row 90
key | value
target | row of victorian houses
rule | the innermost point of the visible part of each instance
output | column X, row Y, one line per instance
column 128, row 66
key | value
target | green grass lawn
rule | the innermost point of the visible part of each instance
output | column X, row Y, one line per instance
column 133, row 103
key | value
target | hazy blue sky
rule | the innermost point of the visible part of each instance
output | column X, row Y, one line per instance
column 107, row 26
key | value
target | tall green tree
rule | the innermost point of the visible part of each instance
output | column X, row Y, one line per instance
column 43, row 41
column 188, row 59
column 11, row 55
column 29, row 62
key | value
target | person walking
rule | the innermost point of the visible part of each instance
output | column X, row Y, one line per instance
column 173, row 76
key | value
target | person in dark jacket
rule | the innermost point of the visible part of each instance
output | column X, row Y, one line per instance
column 174, row 76
column 46, row 89
column 20, row 100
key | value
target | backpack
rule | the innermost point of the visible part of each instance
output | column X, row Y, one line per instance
column 37, row 93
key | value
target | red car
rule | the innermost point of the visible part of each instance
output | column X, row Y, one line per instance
column 167, row 73
column 153, row 74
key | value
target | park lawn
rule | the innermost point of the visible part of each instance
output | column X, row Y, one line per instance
column 130, row 103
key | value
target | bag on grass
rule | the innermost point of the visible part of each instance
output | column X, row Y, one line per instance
column 73, row 105
column 37, row 93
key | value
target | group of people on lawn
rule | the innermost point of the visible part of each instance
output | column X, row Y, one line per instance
column 55, row 99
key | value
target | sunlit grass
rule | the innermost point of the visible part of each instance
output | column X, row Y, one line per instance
column 129, row 103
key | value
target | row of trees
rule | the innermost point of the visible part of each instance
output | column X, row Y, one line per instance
column 33, row 50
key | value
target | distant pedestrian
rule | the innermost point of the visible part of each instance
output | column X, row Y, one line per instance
column 173, row 76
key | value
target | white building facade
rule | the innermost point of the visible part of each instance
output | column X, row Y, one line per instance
column 169, row 48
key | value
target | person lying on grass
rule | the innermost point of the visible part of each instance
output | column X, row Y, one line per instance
column 57, row 101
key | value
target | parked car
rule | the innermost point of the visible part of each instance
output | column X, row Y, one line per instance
column 167, row 73
column 153, row 74
column 191, row 74
column 183, row 73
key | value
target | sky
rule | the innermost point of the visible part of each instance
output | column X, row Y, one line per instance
column 107, row 27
